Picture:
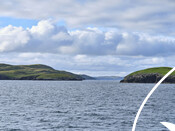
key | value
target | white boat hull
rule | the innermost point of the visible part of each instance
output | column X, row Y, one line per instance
column 168, row 125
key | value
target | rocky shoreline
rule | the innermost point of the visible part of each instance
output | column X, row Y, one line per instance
column 147, row 78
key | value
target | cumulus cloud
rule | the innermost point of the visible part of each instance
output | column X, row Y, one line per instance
column 12, row 38
column 47, row 37
column 94, row 42
column 43, row 28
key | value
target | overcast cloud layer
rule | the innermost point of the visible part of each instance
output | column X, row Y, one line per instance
column 98, row 37
column 138, row 15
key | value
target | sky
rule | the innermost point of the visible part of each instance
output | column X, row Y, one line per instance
column 93, row 37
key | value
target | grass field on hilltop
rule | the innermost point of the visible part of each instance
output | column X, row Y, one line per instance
column 34, row 72
column 159, row 70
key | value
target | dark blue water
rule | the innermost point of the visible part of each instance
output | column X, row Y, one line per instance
column 83, row 106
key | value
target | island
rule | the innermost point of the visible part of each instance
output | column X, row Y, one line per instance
column 150, row 75
column 34, row 72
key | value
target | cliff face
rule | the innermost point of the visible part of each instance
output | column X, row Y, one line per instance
column 147, row 78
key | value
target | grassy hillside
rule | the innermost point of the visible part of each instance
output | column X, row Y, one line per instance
column 34, row 72
column 159, row 70
column 86, row 77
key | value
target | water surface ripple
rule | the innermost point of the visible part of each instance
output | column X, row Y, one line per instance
column 83, row 106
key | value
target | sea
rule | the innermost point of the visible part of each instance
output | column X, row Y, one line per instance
column 95, row 105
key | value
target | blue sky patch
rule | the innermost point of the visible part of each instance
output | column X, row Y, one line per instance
column 5, row 21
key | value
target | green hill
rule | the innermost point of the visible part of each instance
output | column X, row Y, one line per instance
column 150, row 75
column 159, row 70
column 34, row 72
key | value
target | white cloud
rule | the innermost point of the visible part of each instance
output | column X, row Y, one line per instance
column 146, row 45
column 12, row 38
column 95, row 42
column 67, row 50
column 151, row 61
column 48, row 38
column 43, row 28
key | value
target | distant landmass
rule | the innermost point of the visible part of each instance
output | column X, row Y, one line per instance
column 86, row 77
column 43, row 72
column 34, row 72
column 108, row 78
column 150, row 75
